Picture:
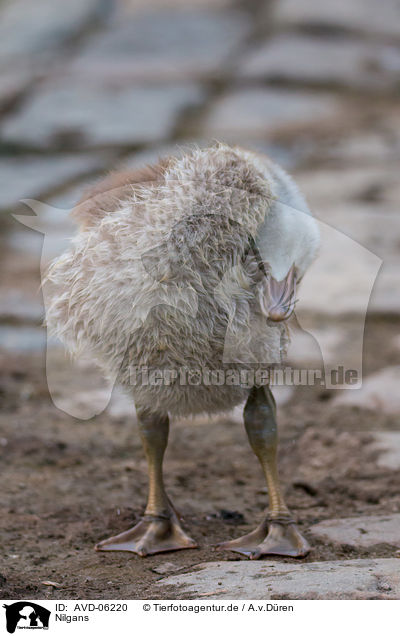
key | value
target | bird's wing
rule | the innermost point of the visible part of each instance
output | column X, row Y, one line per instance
column 106, row 195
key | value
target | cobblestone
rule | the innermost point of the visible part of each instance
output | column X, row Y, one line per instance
column 379, row 392
column 43, row 28
column 354, row 579
column 165, row 46
column 83, row 115
column 388, row 445
column 255, row 112
column 363, row 16
column 33, row 176
column 360, row 532
column 321, row 60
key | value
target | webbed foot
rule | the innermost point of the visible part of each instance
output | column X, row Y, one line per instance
column 151, row 535
column 276, row 536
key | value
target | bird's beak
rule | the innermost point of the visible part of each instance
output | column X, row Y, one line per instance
column 278, row 298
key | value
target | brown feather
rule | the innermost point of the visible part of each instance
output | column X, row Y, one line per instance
column 106, row 195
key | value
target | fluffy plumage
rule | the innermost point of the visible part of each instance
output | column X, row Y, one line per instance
column 165, row 273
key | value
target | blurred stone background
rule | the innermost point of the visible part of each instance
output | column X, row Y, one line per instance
column 89, row 85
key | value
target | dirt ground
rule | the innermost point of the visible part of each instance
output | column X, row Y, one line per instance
column 67, row 484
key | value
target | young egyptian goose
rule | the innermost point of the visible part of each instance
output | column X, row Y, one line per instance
column 184, row 273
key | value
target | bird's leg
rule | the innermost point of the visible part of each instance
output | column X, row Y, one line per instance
column 160, row 529
column 277, row 533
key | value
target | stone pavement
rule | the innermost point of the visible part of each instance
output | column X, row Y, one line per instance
column 87, row 85
column 355, row 579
